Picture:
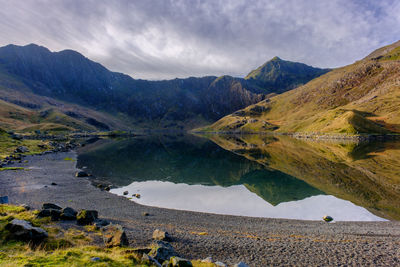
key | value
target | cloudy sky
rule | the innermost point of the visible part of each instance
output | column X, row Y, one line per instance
column 159, row 39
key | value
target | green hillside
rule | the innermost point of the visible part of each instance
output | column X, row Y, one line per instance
column 359, row 98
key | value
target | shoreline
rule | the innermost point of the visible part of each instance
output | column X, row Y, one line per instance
column 226, row 238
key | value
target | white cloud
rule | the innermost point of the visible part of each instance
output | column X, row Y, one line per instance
column 166, row 39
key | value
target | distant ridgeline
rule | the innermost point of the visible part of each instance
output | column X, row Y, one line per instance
column 64, row 90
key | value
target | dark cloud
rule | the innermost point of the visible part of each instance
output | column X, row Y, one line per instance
column 160, row 39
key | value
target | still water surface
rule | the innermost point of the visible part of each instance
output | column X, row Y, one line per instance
column 260, row 176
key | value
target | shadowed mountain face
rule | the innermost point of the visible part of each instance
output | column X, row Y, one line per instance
column 366, row 174
column 188, row 160
column 178, row 103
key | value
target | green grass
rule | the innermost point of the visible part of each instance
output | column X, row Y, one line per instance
column 69, row 159
column 64, row 247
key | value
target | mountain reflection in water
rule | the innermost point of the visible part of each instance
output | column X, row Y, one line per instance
column 254, row 173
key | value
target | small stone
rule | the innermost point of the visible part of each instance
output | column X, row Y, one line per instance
column 145, row 213
column 51, row 206
column 81, row 174
column 161, row 235
column 208, row 260
column 126, row 193
column 53, row 183
column 4, row 200
column 146, row 259
column 86, row 217
column 95, row 259
column 114, row 236
column 101, row 223
column 107, row 188
column 26, row 207
column 327, row 218
column 21, row 149
column 136, row 195
column 179, row 262
column 240, row 264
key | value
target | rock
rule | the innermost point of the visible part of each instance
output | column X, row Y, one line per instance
column 21, row 149
column 51, row 206
column 4, row 200
column 179, row 262
column 327, row 218
column 81, row 174
column 114, row 236
column 23, row 230
column 95, row 259
column 240, row 264
column 107, row 188
column 162, row 251
column 161, row 235
column 53, row 213
column 26, row 207
column 145, row 213
column 86, row 217
column 136, row 195
column 208, row 260
column 101, row 223
column 220, row 264
column 53, row 183
column 146, row 259
column 126, row 193
column 68, row 214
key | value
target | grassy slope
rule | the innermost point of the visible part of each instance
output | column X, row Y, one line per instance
column 65, row 246
column 366, row 178
column 360, row 98
column 24, row 111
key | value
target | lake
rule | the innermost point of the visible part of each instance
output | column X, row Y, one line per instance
column 251, row 175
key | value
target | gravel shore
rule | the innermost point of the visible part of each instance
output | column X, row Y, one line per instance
column 230, row 239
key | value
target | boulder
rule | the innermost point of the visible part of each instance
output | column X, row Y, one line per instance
column 126, row 193
column 161, row 235
column 68, row 214
column 114, row 236
column 53, row 213
column 23, row 230
column 81, row 174
column 162, row 251
column 86, row 217
column 50, row 206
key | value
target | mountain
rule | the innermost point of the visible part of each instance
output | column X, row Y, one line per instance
column 363, row 97
column 280, row 76
column 67, row 77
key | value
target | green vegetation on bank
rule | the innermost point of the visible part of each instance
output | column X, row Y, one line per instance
column 70, row 245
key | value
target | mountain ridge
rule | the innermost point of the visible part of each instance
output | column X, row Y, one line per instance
column 69, row 76
column 359, row 98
